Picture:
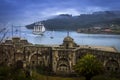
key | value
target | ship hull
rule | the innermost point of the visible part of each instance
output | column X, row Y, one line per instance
column 38, row 32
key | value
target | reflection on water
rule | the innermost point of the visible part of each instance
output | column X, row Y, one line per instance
column 83, row 39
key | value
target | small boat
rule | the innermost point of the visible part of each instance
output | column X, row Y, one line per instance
column 39, row 29
column 52, row 35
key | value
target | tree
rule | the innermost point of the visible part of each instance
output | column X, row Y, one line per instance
column 88, row 66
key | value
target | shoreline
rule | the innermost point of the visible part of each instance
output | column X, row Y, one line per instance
column 100, row 33
column 107, row 33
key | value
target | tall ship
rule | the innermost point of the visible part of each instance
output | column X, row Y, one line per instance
column 39, row 28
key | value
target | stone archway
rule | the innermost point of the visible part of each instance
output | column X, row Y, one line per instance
column 36, row 59
column 5, row 56
column 112, row 65
column 63, row 65
column 19, row 64
column 19, row 56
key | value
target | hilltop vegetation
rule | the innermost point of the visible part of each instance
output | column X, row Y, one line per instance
column 66, row 21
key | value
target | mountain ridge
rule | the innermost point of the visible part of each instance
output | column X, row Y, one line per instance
column 69, row 22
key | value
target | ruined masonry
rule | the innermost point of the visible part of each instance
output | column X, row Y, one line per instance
column 58, row 58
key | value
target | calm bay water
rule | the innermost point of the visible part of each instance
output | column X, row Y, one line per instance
column 81, row 39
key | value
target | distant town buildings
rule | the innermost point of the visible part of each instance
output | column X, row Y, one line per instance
column 113, row 29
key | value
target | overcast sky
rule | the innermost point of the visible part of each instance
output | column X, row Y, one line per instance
column 21, row 12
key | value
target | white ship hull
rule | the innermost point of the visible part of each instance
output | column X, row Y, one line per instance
column 38, row 32
column 39, row 29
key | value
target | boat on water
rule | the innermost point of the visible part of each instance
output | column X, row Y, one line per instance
column 39, row 29
column 52, row 35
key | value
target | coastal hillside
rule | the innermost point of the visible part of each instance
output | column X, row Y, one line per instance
column 69, row 22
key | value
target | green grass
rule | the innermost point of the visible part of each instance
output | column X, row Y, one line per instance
column 37, row 76
column 104, row 78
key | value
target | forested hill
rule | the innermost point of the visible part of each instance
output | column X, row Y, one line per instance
column 66, row 21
